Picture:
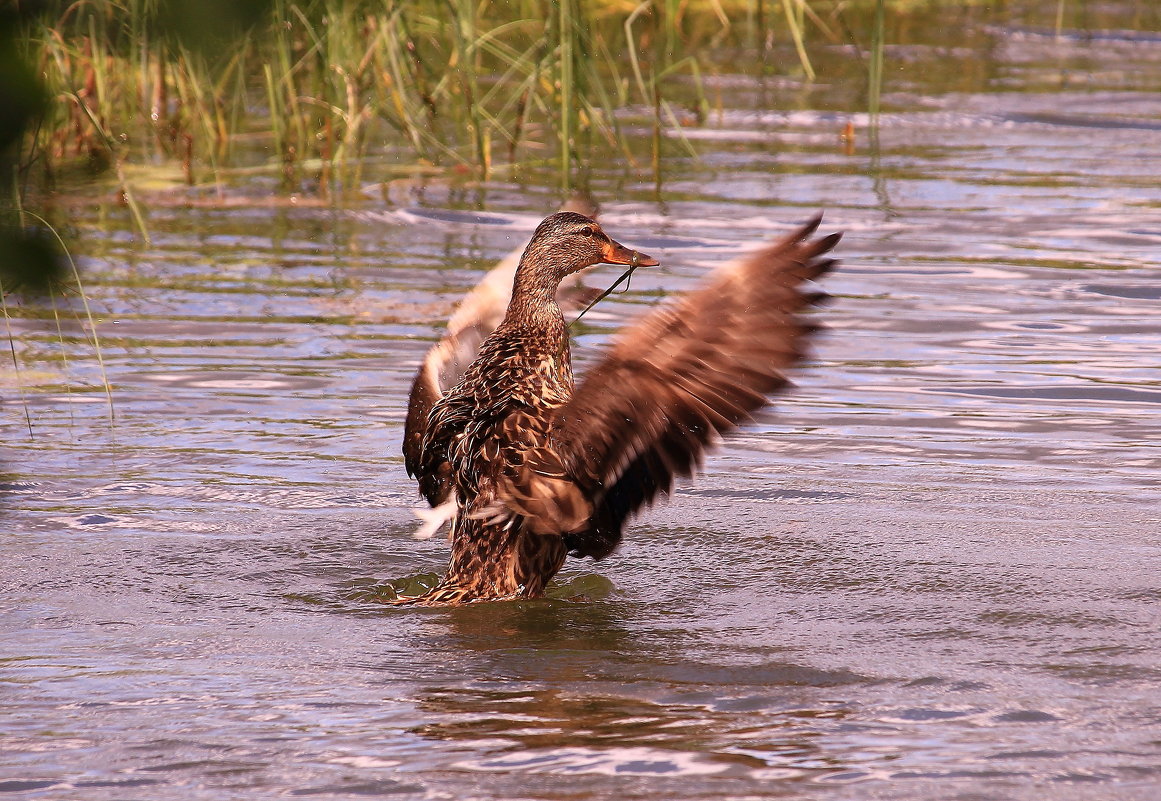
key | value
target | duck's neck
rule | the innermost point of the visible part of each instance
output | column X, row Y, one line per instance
column 533, row 305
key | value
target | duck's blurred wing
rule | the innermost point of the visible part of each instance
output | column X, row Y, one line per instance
column 678, row 379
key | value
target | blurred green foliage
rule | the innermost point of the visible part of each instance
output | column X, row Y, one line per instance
column 31, row 258
column 27, row 260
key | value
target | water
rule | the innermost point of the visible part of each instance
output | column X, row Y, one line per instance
column 930, row 572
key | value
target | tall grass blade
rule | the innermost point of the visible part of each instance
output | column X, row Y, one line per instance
column 64, row 356
column 126, row 190
column 88, row 311
column 566, row 11
column 875, row 70
column 631, row 43
column 15, row 360
column 793, row 9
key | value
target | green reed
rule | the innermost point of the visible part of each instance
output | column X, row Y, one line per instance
column 452, row 82
column 795, row 20
column 875, row 68
column 567, row 38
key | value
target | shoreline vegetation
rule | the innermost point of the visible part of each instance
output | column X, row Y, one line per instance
column 305, row 98
column 135, row 95
column 313, row 87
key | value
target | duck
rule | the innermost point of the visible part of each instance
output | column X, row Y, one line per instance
column 475, row 317
column 534, row 467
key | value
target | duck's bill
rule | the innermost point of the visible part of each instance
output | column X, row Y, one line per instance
column 616, row 253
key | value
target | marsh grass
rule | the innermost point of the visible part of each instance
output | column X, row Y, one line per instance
column 455, row 83
column 313, row 86
column 55, row 289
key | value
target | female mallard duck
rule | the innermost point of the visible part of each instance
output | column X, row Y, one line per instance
column 477, row 316
column 537, row 470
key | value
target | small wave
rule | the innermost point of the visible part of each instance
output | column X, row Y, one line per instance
column 637, row 761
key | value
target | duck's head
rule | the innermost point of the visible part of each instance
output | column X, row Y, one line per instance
column 567, row 242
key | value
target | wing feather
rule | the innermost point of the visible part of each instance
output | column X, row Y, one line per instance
column 681, row 377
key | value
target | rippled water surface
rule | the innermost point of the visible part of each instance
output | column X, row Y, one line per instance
column 930, row 572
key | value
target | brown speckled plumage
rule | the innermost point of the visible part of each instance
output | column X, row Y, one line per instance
column 538, row 469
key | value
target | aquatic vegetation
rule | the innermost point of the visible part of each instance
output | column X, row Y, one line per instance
column 52, row 285
column 320, row 83
column 305, row 90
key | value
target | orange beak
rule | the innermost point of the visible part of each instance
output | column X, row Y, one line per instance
column 616, row 253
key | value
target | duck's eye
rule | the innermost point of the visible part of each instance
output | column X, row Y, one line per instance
column 586, row 231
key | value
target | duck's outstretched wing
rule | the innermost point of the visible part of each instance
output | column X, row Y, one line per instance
column 443, row 366
column 669, row 386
